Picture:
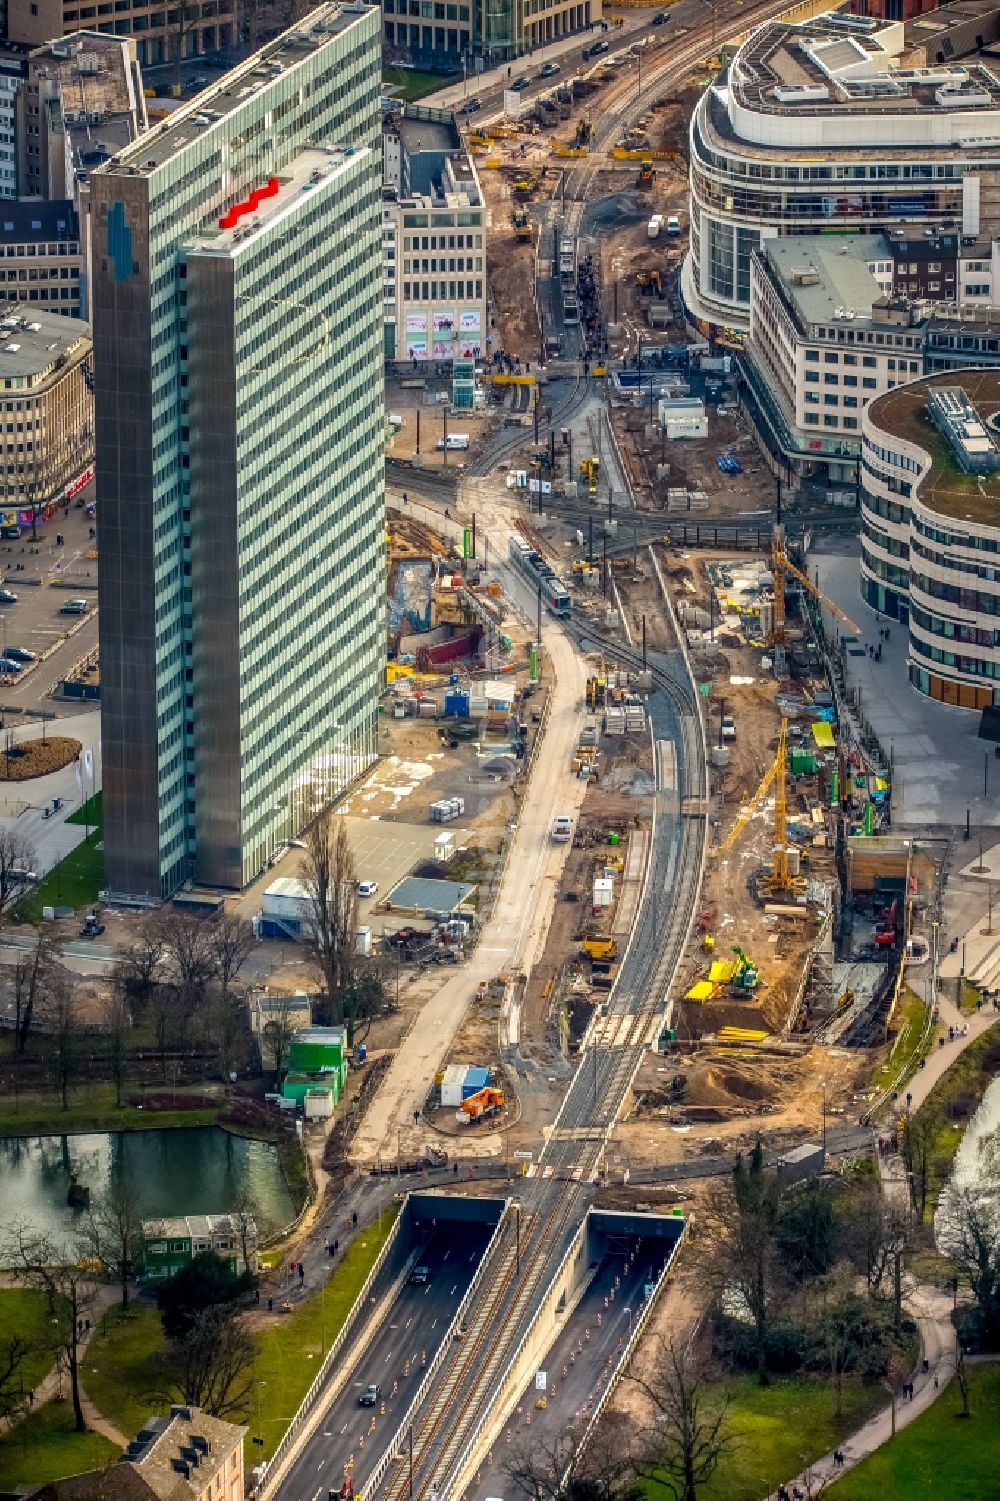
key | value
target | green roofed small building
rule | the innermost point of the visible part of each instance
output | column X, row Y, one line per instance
column 169, row 1244
column 316, row 1059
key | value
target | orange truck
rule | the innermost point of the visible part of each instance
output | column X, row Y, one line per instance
column 485, row 1102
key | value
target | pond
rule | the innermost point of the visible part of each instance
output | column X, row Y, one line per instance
column 202, row 1171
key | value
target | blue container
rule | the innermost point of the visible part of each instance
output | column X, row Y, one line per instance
column 362, row 1052
column 456, row 705
column 475, row 1080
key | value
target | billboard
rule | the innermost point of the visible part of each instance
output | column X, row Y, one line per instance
column 416, row 336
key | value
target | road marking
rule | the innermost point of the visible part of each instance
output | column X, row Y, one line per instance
column 453, row 1291
column 434, row 1325
column 321, row 1464
column 446, row 1255
column 343, row 1430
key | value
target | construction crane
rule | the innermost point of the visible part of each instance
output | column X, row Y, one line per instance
column 781, row 564
column 780, row 880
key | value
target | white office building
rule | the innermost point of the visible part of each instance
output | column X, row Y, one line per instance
column 839, row 123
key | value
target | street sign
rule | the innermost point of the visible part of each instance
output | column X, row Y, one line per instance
column 523, row 1156
column 541, row 1381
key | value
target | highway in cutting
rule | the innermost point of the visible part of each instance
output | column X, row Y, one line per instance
column 349, row 1438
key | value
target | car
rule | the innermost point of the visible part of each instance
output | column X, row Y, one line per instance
column 74, row 607
column 8, row 597
column 596, row 49
column 7, row 664
column 92, row 926
column 661, row 18
column 19, row 654
column 367, row 888
column 470, row 106
column 10, row 533
column 370, row 1395
column 195, row 85
column 420, row 1275
column 549, row 70
column 520, row 84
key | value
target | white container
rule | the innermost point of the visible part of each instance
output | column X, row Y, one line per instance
column 318, row 1104
column 444, row 847
column 288, row 898
column 604, row 892
column 363, row 941
column 451, row 1084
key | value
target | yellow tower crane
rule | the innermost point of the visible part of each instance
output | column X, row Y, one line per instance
column 780, row 880
column 781, row 564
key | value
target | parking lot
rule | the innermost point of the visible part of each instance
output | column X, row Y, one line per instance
column 44, row 576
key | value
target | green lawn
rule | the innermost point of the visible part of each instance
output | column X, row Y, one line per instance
column 905, row 1052
column 44, row 1447
column 91, row 1108
column 24, row 1314
column 123, row 1370
column 940, row 1454
column 410, row 83
column 779, row 1429
column 89, row 812
column 74, row 882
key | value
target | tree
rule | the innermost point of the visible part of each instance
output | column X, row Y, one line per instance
column 181, row 21
column 558, row 1468
column 679, row 1447
column 112, row 1234
column 17, row 857
column 742, row 1221
column 919, row 1137
column 13, row 1352
column 807, row 1231
column 190, row 958
column 33, row 974
column 207, row 1282
column 141, row 959
column 118, row 1021
column 213, row 1363
column 70, row 1291
column 878, row 1234
column 968, row 1226
column 330, row 928
column 63, row 1020
column 276, row 1040
column 231, row 943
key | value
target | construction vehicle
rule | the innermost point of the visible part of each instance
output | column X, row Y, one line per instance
column 780, row 881
column 597, row 689
column 590, row 468
column 746, row 976
column 649, row 282
column 646, row 175
column 782, row 564
column 885, row 931
column 522, row 224
column 479, row 1105
column 599, row 948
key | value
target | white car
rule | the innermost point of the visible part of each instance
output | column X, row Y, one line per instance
column 367, row 888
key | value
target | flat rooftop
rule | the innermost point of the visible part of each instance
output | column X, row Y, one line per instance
column 31, row 340
column 249, row 220
column 232, row 89
column 839, row 267
column 946, row 487
column 839, row 63
column 427, row 134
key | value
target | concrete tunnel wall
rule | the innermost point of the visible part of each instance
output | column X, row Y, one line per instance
column 453, row 1208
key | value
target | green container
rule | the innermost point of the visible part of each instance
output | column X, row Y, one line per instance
column 613, row 838
column 803, row 763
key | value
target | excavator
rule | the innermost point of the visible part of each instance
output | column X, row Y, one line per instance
column 522, row 224
column 646, row 175
column 745, row 977
column 649, row 282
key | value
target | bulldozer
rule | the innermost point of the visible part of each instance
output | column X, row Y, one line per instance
column 646, row 175
column 649, row 282
column 599, row 948
column 522, row 224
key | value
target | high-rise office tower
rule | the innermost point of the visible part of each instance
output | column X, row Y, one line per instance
column 237, row 310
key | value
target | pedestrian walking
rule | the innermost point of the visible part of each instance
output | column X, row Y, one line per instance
column 354, row 1219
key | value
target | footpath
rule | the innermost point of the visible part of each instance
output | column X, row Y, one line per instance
column 929, row 1306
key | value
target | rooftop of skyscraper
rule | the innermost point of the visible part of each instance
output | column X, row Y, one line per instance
column 946, row 486
column 233, row 89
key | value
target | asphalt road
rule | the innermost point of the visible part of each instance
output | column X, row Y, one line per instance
column 403, row 1343
column 577, row 1368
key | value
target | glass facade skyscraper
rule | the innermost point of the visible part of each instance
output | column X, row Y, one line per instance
column 240, row 421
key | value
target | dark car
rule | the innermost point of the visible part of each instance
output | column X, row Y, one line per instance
column 8, row 597
column 370, row 1395
column 661, row 18
column 19, row 654
column 10, row 533
column 596, row 49
column 549, row 70
column 420, row 1275
column 92, row 926
column 519, row 84
column 470, row 106
column 8, row 665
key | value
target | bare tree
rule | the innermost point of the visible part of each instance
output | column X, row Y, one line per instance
column 190, row 957
column 962, row 1375
column 63, row 1018
column 225, row 1019
column 13, row 1398
column 679, row 1447
column 70, row 1292
column 276, row 1039
column 557, row 1467
column 142, row 959
column 968, row 1226
column 181, row 21
column 213, row 1363
column 231, row 942
column 33, row 975
column 17, row 857
column 919, row 1138
column 112, row 1233
column 879, row 1233
column 118, row 1021
column 330, row 930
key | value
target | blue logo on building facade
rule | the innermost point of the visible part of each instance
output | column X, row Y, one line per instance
column 119, row 241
